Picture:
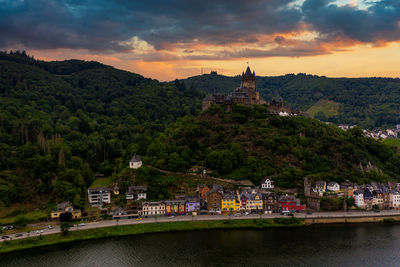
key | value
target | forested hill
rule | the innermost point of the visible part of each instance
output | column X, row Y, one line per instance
column 62, row 122
column 366, row 102
column 248, row 144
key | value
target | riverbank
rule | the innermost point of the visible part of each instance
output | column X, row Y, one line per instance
column 123, row 230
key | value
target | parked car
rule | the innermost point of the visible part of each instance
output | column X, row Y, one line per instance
column 8, row 227
column 138, row 219
column 50, row 227
column 81, row 224
column 39, row 232
column 376, row 210
column 18, row 235
column 5, row 237
column 171, row 217
column 237, row 215
column 246, row 213
column 309, row 212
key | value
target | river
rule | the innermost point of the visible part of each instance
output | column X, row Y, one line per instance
column 318, row 245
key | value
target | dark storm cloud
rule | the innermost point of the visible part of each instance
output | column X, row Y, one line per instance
column 379, row 22
column 100, row 25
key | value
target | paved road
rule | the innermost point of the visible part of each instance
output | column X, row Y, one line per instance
column 108, row 223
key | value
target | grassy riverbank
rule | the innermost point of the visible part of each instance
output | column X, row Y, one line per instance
column 113, row 231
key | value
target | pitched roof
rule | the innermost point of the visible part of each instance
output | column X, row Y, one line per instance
column 268, row 195
column 138, row 188
column 368, row 193
column 332, row 184
column 64, row 205
column 153, row 203
column 267, row 178
column 96, row 189
column 136, row 158
column 228, row 195
column 174, row 202
column 201, row 186
column 119, row 210
column 217, row 187
column 192, row 199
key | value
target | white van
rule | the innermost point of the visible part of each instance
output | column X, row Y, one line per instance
column 285, row 212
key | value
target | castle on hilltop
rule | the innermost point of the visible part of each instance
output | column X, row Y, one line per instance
column 247, row 94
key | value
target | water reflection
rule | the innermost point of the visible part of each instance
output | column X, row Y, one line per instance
column 333, row 245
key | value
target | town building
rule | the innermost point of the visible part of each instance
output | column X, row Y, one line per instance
column 99, row 196
column 202, row 191
column 175, row 207
column 192, row 205
column 136, row 193
column 270, row 202
column 386, row 197
column 395, row 199
column 116, row 190
column 333, row 186
column 267, row 183
column 214, row 202
column 313, row 198
column 320, row 186
column 290, row 203
column 368, row 198
column 152, row 209
column 251, row 201
column 121, row 213
column 359, row 199
column 379, row 198
column 66, row 207
column 136, row 162
column 230, row 203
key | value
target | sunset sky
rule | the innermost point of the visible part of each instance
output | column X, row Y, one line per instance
column 168, row 39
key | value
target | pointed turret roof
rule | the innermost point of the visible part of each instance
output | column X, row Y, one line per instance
column 248, row 71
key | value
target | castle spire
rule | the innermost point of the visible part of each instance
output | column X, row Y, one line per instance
column 248, row 71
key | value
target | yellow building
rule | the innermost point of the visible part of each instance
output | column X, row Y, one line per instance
column 66, row 207
column 230, row 203
column 251, row 201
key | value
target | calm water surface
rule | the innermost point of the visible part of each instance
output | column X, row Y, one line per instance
column 333, row 245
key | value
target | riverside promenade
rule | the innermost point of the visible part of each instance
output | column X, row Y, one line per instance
column 314, row 218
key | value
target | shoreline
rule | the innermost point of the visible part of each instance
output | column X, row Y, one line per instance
column 168, row 226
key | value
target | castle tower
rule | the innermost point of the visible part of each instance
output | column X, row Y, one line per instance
column 249, row 86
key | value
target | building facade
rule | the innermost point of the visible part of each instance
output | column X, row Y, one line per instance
column 99, row 196
column 270, row 203
column 152, row 209
column 136, row 193
column 230, row 203
column 333, row 186
column 66, row 207
column 202, row 191
column 175, row 207
column 290, row 203
column 136, row 162
column 267, row 183
column 214, row 202
column 192, row 205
